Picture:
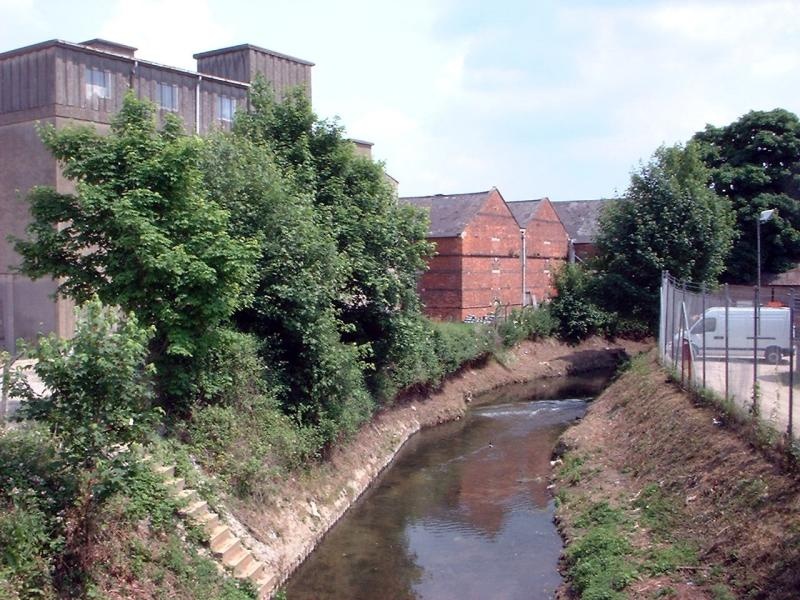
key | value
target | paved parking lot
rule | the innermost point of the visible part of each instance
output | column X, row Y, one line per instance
column 773, row 381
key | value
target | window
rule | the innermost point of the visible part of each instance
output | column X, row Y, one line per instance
column 707, row 325
column 98, row 83
column 226, row 106
column 167, row 96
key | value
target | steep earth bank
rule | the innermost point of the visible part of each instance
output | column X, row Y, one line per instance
column 283, row 529
column 660, row 498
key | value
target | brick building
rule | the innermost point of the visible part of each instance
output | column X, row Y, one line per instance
column 545, row 247
column 477, row 262
column 62, row 83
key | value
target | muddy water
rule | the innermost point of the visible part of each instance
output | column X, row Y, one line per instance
column 464, row 512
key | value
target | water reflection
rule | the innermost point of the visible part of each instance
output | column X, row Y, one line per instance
column 463, row 513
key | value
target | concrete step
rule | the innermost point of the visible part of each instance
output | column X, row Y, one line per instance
column 167, row 472
column 224, row 545
column 226, row 550
column 175, row 485
column 220, row 537
column 233, row 560
column 264, row 586
column 188, row 495
column 209, row 522
column 246, row 567
column 196, row 510
column 258, row 571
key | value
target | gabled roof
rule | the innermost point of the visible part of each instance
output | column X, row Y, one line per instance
column 788, row 278
column 449, row 214
column 524, row 210
column 580, row 218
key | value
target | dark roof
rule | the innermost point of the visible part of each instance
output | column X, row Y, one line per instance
column 788, row 278
column 524, row 210
column 251, row 47
column 449, row 214
column 580, row 218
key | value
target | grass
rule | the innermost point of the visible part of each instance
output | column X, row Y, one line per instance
column 602, row 559
column 571, row 471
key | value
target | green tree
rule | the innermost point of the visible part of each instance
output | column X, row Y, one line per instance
column 98, row 386
column 755, row 163
column 669, row 219
column 381, row 245
column 300, row 275
column 141, row 233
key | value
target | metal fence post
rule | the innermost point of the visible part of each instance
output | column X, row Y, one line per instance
column 727, row 347
column 791, row 364
column 665, row 309
column 703, row 317
column 756, row 315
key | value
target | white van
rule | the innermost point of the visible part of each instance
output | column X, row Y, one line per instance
column 773, row 334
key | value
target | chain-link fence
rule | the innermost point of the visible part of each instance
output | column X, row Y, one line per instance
column 738, row 342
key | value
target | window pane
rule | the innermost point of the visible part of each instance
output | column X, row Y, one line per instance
column 167, row 96
column 226, row 106
column 98, row 83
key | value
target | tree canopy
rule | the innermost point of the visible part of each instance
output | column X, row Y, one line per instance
column 380, row 245
column 755, row 164
column 669, row 219
column 141, row 233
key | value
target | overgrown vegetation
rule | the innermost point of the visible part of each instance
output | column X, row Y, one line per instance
column 72, row 485
column 255, row 288
column 668, row 219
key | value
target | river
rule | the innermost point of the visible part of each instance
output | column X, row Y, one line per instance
column 463, row 512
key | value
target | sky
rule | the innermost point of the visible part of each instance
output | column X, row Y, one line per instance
column 537, row 98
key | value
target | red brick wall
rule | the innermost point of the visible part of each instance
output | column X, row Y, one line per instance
column 440, row 285
column 491, row 265
column 547, row 246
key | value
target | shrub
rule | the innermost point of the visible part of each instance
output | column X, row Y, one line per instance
column 98, row 383
column 526, row 324
column 456, row 344
column 574, row 307
column 26, row 555
column 247, row 444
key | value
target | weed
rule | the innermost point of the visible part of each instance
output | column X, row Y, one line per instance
column 571, row 471
column 665, row 560
column 660, row 512
column 600, row 560
column 600, row 513
column 722, row 592
column 666, row 592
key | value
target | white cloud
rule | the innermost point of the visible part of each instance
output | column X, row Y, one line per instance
column 166, row 31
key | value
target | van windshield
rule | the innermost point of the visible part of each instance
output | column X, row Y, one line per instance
column 704, row 325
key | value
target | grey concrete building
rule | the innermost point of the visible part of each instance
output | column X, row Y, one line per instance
column 60, row 83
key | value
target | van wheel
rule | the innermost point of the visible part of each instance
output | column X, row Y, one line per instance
column 773, row 355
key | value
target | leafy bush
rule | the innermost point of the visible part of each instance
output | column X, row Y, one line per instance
column 575, row 305
column 527, row 324
column 248, row 444
column 598, row 563
column 26, row 553
column 457, row 344
column 98, row 386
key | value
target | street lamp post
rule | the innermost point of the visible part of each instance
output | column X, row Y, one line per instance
column 763, row 217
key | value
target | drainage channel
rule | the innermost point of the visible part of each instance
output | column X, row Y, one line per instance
column 464, row 511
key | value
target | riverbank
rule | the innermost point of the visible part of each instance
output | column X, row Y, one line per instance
column 284, row 528
column 658, row 499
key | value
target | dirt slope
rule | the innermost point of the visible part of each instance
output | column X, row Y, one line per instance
column 680, row 479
